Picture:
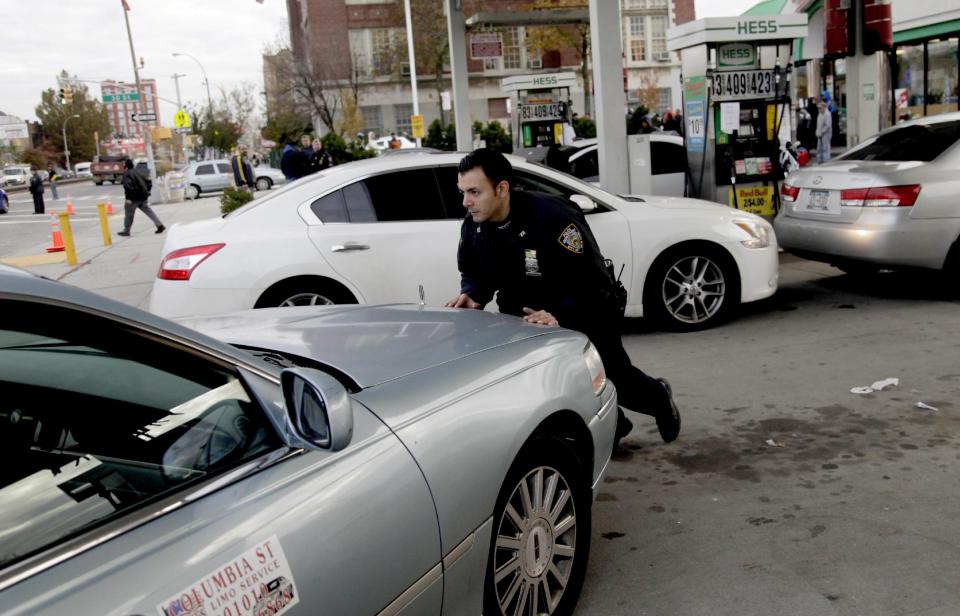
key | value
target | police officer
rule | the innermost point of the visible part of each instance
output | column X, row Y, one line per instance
column 536, row 252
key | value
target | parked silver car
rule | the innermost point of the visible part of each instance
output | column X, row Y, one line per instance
column 210, row 176
column 348, row 459
column 889, row 202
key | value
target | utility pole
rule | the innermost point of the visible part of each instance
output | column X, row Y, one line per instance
column 176, row 82
column 145, row 130
column 413, row 61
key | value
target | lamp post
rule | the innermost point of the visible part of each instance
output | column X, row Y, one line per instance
column 205, row 80
column 66, row 150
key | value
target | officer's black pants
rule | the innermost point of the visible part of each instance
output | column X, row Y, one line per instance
column 636, row 390
column 38, row 203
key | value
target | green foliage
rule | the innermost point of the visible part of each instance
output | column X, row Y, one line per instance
column 494, row 135
column 634, row 121
column 585, row 128
column 80, row 131
column 36, row 158
column 441, row 137
column 233, row 198
column 220, row 132
column 341, row 151
column 285, row 127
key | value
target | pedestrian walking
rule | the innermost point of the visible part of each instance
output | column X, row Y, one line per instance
column 536, row 253
column 53, row 178
column 319, row 158
column 136, row 190
column 36, row 190
column 824, row 132
column 243, row 176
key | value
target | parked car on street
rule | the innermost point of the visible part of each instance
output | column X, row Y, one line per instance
column 348, row 459
column 890, row 202
column 16, row 175
column 668, row 162
column 210, row 176
column 83, row 170
column 376, row 230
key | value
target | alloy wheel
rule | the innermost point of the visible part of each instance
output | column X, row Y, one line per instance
column 694, row 289
column 535, row 544
column 307, row 299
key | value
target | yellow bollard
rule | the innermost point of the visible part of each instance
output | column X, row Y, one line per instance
column 68, row 238
column 104, row 228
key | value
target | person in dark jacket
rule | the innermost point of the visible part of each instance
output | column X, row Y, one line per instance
column 136, row 190
column 243, row 176
column 36, row 190
column 536, row 253
column 293, row 163
column 319, row 158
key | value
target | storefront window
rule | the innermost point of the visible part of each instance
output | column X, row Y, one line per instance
column 942, row 76
column 908, row 93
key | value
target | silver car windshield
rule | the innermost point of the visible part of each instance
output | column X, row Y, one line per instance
column 96, row 420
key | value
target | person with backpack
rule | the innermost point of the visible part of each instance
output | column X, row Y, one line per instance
column 136, row 190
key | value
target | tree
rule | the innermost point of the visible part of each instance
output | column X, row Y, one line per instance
column 81, row 131
column 285, row 126
column 441, row 137
column 554, row 38
column 430, row 42
column 494, row 135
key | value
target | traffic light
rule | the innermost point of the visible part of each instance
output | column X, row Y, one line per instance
column 67, row 95
column 63, row 96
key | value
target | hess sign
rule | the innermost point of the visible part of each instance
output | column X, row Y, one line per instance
column 736, row 56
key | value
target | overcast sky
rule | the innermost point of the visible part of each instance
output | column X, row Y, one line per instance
column 89, row 40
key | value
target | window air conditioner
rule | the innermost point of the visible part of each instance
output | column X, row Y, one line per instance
column 662, row 56
column 534, row 63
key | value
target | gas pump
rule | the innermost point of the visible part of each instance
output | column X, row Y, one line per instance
column 542, row 107
column 736, row 104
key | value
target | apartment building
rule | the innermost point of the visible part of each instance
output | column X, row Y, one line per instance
column 121, row 110
column 365, row 40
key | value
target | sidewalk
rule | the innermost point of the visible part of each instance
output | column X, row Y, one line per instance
column 125, row 270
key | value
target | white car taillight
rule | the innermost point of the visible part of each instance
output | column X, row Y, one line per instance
column 880, row 196
column 598, row 377
column 179, row 264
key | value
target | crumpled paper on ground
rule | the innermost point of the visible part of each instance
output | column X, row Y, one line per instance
column 877, row 386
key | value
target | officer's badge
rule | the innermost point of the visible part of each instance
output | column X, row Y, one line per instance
column 530, row 262
column 571, row 239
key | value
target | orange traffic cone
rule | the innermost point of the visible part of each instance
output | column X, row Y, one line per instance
column 56, row 238
column 109, row 207
column 70, row 207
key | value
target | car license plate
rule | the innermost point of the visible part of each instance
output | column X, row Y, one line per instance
column 819, row 201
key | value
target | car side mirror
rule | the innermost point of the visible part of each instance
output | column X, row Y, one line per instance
column 318, row 407
column 585, row 203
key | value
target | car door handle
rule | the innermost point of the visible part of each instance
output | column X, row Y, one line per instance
column 348, row 247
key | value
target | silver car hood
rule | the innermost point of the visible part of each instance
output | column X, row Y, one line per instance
column 370, row 344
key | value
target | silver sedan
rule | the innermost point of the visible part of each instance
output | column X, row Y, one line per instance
column 890, row 202
column 342, row 460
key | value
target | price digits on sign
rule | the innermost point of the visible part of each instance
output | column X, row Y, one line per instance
column 743, row 82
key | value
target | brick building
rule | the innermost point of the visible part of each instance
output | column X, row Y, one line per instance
column 121, row 113
column 367, row 38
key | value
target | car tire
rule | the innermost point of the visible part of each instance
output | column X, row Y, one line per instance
column 192, row 192
column 525, row 564
column 264, row 183
column 691, row 287
column 858, row 269
column 98, row 182
column 305, row 293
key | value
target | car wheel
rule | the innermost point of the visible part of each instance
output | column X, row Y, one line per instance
column 541, row 534
column 98, row 182
column 305, row 293
column 264, row 184
column 192, row 191
column 691, row 288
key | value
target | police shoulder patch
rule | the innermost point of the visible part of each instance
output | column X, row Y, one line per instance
column 571, row 239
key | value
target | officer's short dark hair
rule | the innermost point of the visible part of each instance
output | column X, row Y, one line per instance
column 494, row 164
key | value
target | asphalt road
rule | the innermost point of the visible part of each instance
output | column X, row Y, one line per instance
column 21, row 232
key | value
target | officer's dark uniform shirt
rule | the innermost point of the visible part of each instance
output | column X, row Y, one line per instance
column 543, row 256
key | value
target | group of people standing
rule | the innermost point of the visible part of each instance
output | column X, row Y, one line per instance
column 310, row 157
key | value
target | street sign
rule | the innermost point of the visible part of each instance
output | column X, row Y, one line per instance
column 121, row 97
column 181, row 119
column 486, row 45
column 143, row 117
column 181, row 130
column 416, row 126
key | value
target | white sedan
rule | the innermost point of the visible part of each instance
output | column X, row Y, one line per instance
column 386, row 230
